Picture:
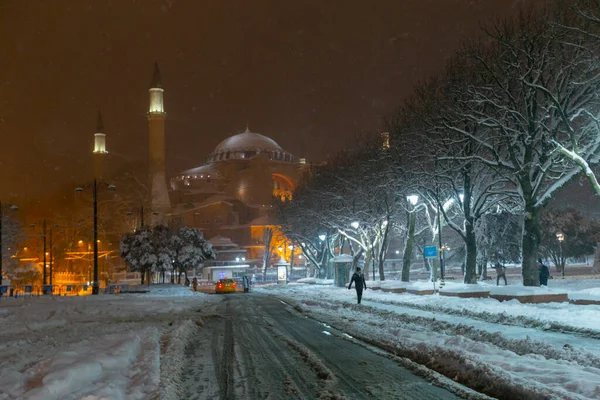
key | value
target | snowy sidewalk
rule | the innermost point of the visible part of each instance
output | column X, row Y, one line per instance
column 535, row 359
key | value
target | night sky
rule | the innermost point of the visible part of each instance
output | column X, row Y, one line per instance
column 311, row 74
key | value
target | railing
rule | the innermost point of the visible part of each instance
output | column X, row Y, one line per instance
column 44, row 290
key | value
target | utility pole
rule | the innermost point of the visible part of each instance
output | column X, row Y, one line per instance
column 96, row 283
column 0, row 243
column 44, row 274
column 51, row 258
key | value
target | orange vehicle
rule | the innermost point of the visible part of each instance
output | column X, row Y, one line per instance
column 225, row 286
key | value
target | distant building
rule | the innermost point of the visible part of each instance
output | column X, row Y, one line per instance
column 229, row 195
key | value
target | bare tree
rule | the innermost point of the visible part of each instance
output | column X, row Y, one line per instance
column 269, row 248
column 533, row 106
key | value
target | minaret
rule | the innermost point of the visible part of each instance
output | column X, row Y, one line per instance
column 385, row 140
column 156, row 124
column 99, row 149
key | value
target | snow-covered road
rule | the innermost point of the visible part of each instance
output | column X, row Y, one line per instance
column 251, row 346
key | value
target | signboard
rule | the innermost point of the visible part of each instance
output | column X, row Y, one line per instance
column 282, row 273
column 430, row 252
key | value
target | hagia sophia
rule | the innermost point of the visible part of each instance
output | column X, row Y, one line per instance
column 228, row 196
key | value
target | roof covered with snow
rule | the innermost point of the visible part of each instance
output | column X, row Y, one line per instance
column 221, row 241
column 247, row 141
column 206, row 169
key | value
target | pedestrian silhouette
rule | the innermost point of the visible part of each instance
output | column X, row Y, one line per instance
column 359, row 283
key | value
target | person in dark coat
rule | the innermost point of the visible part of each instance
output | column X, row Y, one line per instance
column 500, row 273
column 544, row 272
column 359, row 283
column 246, row 284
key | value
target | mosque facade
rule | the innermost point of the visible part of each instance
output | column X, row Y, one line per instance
column 229, row 195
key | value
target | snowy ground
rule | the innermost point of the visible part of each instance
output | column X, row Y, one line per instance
column 549, row 350
column 131, row 346
column 92, row 347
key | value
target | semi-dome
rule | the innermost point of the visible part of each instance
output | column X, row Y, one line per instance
column 247, row 141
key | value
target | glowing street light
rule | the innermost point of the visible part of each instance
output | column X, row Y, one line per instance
column 355, row 224
column 412, row 199
column 322, row 237
column 561, row 238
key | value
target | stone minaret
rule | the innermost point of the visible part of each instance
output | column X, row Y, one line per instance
column 156, row 124
column 99, row 150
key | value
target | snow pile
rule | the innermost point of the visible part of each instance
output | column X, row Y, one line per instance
column 122, row 346
column 174, row 359
column 519, row 290
column 585, row 294
column 126, row 362
column 456, row 287
column 307, row 280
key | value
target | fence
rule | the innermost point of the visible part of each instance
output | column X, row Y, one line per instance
column 45, row 290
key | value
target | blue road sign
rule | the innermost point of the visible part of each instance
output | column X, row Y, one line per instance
column 430, row 252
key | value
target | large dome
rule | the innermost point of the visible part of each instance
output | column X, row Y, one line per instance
column 247, row 141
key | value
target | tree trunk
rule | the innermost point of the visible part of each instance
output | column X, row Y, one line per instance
column 531, row 245
column 596, row 267
column 471, row 256
column 382, row 252
column 407, row 256
column 483, row 271
column 142, row 277
column 368, row 257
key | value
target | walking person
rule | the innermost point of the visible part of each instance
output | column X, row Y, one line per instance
column 544, row 272
column 359, row 283
column 500, row 273
column 195, row 284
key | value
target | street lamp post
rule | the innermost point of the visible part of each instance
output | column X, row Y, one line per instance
column 96, row 282
column 561, row 238
column 44, row 273
column 12, row 207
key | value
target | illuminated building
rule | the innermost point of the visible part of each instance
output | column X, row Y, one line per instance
column 230, row 194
